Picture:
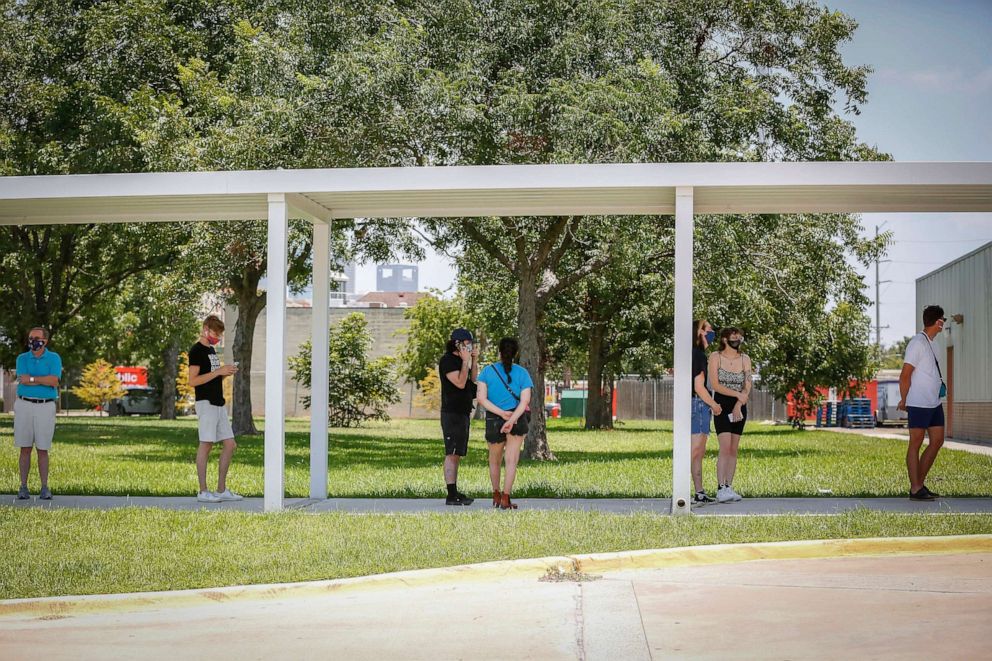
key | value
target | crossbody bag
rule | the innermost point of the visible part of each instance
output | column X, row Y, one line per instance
column 943, row 386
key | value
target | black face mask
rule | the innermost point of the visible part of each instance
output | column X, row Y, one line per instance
column 734, row 343
column 34, row 345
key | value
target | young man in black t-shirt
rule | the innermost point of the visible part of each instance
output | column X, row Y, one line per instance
column 457, row 370
column 206, row 375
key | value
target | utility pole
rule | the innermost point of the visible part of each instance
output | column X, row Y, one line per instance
column 878, row 310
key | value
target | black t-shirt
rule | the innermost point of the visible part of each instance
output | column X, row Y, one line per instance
column 453, row 398
column 206, row 359
column 698, row 365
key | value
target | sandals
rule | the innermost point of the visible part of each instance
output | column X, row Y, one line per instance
column 505, row 503
column 497, row 498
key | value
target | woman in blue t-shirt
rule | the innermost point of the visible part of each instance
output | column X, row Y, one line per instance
column 504, row 391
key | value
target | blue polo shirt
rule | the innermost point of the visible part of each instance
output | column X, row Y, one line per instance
column 498, row 387
column 47, row 364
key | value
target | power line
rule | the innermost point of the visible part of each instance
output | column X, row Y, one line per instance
column 940, row 240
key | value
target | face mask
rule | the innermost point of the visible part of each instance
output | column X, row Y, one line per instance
column 34, row 345
column 213, row 340
column 710, row 336
column 734, row 343
column 468, row 347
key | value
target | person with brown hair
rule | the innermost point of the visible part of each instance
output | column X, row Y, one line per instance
column 206, row 376
column 921, row 386
column 504, row 390
column 730, row 376
column 703, row 406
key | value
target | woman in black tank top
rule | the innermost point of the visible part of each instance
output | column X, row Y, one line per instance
column 730, row 376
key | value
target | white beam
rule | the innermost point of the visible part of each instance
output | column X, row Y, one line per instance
column 319, row 338
column 301, row 206
column 275, row 351
column 681, row 428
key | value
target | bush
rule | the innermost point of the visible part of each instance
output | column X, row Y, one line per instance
column 360, row 389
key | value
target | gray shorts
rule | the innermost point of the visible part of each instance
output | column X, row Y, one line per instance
column 34, row 424
column 213, row 422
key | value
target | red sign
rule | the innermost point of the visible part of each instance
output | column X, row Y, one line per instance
column 132, row 377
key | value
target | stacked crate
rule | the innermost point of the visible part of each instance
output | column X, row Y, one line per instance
column 856, row 413
column 826, row 415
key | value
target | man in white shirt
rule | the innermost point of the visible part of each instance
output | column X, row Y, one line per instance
column 921, row 386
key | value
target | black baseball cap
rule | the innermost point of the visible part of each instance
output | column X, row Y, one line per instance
column 461, row 335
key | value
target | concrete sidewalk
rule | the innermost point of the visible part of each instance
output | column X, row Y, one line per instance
column 889, row 598
column 748, row 506
column 902, row 434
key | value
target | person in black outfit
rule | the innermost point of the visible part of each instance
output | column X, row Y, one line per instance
column 457, row 370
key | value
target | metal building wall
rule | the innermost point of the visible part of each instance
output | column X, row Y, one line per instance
column 964, row 287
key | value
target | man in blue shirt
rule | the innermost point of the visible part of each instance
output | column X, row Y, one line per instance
column 38, row 373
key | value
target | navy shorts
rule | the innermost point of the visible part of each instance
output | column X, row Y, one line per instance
column 701, row 415
column 923, row 418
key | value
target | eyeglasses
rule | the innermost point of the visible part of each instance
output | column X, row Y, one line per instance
column 36, row 337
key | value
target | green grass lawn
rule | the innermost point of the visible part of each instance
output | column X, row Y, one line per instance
column 402, row 458
column 60, row 552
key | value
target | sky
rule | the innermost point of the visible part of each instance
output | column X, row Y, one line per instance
column 929, row 99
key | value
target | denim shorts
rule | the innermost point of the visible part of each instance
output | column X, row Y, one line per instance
column 701, row 414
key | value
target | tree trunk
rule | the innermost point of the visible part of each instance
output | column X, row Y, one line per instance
column 250, row 305
column 598, row 409
column 170, row 370
column 532, row 357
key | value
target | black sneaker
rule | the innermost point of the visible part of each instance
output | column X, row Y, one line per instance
column 922, row 494
column 932, row 493
column 458, row 499
column 702, row 499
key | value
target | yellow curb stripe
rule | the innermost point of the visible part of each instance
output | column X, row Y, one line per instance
column 74, row 606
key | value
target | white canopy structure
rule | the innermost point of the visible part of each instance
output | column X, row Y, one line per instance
column 682, row 189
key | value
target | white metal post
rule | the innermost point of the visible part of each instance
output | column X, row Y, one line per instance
column 319, row 338
column 275, row 351
column 681, row 441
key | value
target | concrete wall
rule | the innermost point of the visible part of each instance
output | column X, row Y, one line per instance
column 385, row 324
column 964, row 287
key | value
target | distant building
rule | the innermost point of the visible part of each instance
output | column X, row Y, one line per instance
column 964, row 289
column 390, row 299
column 397, row 277
column 348, row 280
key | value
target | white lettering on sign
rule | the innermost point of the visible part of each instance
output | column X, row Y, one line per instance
column 127, row 377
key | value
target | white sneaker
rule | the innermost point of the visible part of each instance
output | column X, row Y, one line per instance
column 208, row 497
column 724, row 495
column 227, row 494
column 736, row 496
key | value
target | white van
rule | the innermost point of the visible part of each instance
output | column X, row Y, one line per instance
column 888, row 399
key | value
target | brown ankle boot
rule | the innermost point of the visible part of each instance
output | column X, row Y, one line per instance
column 497, row 498
column 505, row 503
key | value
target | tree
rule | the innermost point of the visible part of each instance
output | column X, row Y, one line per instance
column 431, row 319
column 68, row 71
column 262, row 100
column 429, row 392
column 891, row 357
column 99, row 385
column 185, row 393
column 360, row 389
column 554, row 82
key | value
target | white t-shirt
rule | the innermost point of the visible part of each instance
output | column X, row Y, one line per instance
column 924, row 385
